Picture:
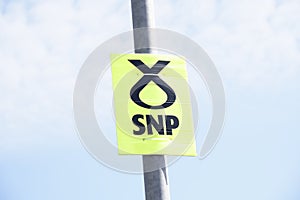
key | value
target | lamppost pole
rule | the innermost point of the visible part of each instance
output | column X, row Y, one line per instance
column 156, row 182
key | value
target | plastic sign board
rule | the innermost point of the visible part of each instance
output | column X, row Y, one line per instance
column 152, row 105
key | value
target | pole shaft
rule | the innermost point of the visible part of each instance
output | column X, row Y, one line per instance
column 156, row 182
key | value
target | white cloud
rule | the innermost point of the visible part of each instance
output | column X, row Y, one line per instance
column 253, row 43
column 44, row 43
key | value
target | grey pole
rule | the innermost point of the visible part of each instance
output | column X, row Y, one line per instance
column 156, row 182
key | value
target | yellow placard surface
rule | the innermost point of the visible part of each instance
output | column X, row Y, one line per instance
column 152, row 105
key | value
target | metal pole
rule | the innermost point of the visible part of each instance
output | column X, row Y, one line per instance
column 156, row 182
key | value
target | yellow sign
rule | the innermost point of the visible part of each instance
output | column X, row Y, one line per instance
column 152, row 105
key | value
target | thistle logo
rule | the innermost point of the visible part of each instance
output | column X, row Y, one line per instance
column 150, row 74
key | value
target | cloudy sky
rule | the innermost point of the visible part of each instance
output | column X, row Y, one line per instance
column 255, row 46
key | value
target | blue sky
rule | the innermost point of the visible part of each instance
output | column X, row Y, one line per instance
column 255, row 45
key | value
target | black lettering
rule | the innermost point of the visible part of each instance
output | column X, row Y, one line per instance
column 159, row 127
column 172, row 122
column 140, row 125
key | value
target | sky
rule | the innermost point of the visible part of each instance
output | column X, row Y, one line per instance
column 255, row 46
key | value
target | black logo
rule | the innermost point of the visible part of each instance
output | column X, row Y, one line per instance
column 151, row 74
